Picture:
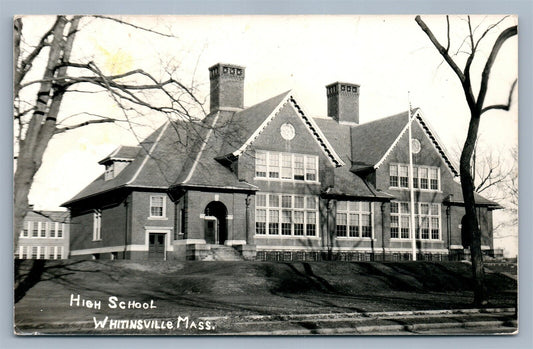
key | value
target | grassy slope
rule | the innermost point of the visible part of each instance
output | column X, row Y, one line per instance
column 236, row 288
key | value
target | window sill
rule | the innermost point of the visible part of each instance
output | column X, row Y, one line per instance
column 157, row 218
column 417, row 189
column 417, row 240
column 285, row 180
column 355, row 238
column 287, row 236
column 97, row 240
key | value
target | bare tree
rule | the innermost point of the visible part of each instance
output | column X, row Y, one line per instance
column 477, row 107
column 47, row 73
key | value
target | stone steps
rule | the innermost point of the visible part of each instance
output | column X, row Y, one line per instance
column 223, row 253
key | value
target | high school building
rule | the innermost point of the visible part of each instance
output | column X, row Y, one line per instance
column 270, row 182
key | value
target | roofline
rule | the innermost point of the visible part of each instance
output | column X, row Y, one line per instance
column 311, row 126
column 252, row 188
column 336, row 161
column 261, row 127
column 163, row 130
column 123, row 186
column 202, row 148
column 417, row 115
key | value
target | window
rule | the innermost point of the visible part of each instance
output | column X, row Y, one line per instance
column 286, row 166
column 97, row 225
column 35, row 230
column 157, row 206
column 260, row 164
column 393, row 173
column 44, row 229
column 26, row 230
column 109, row 172
column 404, row 174
column 427, row 220
column 59, row 254
column 34, row 252
column 354, row 219
column 286, row 215
column 424, row 177
column 273, row 165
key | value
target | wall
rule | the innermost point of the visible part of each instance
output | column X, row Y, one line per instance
column 46, row 244
column 302, row 143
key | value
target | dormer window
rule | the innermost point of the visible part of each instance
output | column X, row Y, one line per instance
column 118, row 160
column 109, row 171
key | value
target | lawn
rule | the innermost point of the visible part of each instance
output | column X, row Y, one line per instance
column 234, row 289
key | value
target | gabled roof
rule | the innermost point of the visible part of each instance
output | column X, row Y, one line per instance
column 346, row 182
column 156, row 165
column 372, row 142
column 245, row 126
column 122, row 153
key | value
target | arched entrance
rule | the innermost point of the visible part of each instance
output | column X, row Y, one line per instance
column 215, row 226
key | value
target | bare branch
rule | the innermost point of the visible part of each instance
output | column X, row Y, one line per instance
column 85, row 123
column 133, row 26
column 492, row 26
column 448, row 32
column 502, row 38
column 505, row 107
column 440, row 48
column 465, row 79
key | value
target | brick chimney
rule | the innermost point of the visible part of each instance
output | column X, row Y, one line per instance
column 227, row 86
column 343, row 102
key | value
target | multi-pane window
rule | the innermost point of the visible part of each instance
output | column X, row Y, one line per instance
column 286, row 166
column 26, row 229
column 34, row 252
column 60, row 228
column 288, row 215
column 427, row 220
column 353, row 219
column 424, row 177
column 157, row 206
column 44, row 229
column 97, row 225
column 35, row 230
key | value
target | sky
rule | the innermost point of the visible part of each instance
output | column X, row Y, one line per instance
column 388, row 56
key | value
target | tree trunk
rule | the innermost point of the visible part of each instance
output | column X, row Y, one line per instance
column 43, row 121
column 472, row 225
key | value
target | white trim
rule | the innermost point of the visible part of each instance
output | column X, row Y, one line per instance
column 189, row 242
column 289, row 248
column 164, row 206
column 199, row 154
column 107, row 249
column 229, row 217
column 408, row 250
column 256, row 133
column 289, row 237
column 311, row 127
column 456, row 247
column 485, row 247
column 393, row 145
column 234, row 242
column 416, row 116
column 149, row 154
column 437, row 140
column 319, row 132
column 150, row 227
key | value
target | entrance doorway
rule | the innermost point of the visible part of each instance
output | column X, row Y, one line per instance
column 156, row 246
column 215, row 226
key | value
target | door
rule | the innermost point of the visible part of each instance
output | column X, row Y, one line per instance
column 156, row 246
column 211, row 230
